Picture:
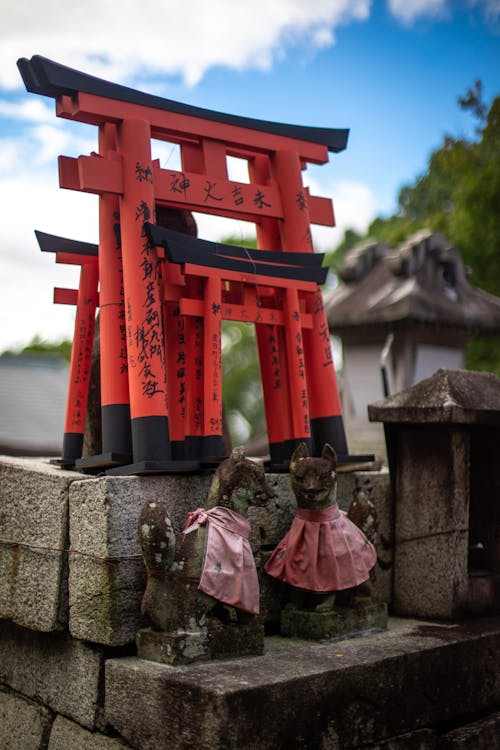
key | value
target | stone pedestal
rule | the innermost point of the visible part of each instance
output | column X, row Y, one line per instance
column 214, row 641
column 362, row 616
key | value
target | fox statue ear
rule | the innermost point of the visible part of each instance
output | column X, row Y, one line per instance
column 329, row 455
column 299, row 453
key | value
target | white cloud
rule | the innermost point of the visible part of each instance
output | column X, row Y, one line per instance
column 354, row 204
column 32, row 110
column 27, row 276
column 40, row 140
column 134, row 39
column 408, row 11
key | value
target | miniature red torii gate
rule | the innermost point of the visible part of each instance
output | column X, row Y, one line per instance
column 134, row 281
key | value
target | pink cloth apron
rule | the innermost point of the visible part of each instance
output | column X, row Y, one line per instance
column 228, row 574
column 322, row 551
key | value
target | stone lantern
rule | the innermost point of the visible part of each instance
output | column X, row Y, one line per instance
column 443, row 444
column 401, row 315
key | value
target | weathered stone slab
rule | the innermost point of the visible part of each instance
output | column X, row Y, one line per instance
column 23, row 723
column 54, row 669
column 422, row 739
column 33, row 540
column 66, row 735
column 479, row 735
column 306, row 695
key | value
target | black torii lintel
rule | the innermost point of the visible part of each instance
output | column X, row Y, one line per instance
column 159, row 235
column 48, row 78
column 53, row 243
column 181, row 248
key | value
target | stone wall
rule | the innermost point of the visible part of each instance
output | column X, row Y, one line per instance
column 71, row 581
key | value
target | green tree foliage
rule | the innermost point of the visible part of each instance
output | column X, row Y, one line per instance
column 459, row 196
column 241, row 386
column 39, row 347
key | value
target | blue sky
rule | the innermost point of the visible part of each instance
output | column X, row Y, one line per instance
column 390, row 70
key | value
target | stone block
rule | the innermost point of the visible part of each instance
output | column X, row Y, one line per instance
column 271, row 522
column 306, row 695
column 66, row 735
column 107, row 576
column 23, row 723
column 377, row 487
column 33, row 543
column 430, row 576
column 54, row 669
column 432, row 521
column 432, row 481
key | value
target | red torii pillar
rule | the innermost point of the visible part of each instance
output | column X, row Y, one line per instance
column 324, row 405
column 86, row 299
column 115, row 401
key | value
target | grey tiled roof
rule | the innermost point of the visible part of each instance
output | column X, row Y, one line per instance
column 423, row 280
column 32, row 405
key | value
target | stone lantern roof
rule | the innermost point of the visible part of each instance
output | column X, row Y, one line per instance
column 447, row 397
column 423, row 281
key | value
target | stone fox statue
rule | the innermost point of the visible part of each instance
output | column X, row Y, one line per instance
column 323, row 551
column 207, row 569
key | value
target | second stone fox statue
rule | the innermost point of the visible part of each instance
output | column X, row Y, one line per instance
column 324, row 558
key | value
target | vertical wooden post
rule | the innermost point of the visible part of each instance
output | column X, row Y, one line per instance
column 271, row 346
column 322, row 391
column 204, row 407
column 212, row 443
column 193, row 329
column 301, row 428
column 143, row 309
column 79, row 368
column 176, row 376
column 115, row 402
column 327, row 425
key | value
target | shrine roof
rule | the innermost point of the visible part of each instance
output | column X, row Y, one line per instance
column 48, row 78
column 424, row 280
